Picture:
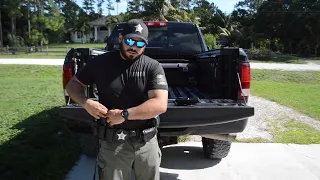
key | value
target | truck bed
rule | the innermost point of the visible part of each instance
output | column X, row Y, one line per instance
column 205, row 99
column 203, row 109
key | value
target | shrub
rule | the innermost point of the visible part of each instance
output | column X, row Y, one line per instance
column 260, row 54
column 211, row 40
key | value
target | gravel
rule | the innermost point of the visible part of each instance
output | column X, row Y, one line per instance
column 314, row 62
column 33, row 61
column 286, row 67
column 265, row 111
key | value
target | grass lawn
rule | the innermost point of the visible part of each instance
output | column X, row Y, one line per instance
column 299, row 90
column 79, row 45
column 295, row 89
column 294, row 132
column 281, row 60
column 34, row 56
column 35, row 143
column 314, row 58
column 291, row 131
column 55, row 51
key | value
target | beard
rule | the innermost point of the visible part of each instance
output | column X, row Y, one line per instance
column 131, row 56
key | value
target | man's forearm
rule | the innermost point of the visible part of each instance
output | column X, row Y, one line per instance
column 147, row 110
column 76, row 92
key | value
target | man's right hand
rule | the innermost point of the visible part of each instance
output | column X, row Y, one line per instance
column 95, row 109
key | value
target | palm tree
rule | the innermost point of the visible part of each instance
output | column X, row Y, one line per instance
column 229, row 29
column 118, row 1
column 162, row 10
column 1, row 37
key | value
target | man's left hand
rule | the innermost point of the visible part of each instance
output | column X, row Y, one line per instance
column 114, row 117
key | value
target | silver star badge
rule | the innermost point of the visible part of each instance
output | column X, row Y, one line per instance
column 121, row 136
column 138, row 28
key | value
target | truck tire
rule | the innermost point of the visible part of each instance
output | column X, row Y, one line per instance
column 215, row 149
column 167, row 140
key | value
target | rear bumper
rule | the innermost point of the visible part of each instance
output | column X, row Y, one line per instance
column 198, row 116
column 179, row 120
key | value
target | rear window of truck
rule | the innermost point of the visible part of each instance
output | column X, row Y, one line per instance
column 172, row 36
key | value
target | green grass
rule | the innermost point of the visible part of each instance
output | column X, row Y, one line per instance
column 314, row 58
column 55, row 51
column 294, row 132
column 253, row 140
column 281, row 60
column 35, row 142
column 79, row 45
column 182, row 139
column 34, row 56
column 299, row 90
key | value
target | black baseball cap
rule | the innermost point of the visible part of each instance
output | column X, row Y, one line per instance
column 136, row 28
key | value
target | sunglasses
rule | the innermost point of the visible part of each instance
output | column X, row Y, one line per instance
column 131, row 42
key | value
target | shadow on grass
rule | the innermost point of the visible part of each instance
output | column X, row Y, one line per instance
column 45, row 149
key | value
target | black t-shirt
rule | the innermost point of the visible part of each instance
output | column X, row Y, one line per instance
column 123, row 84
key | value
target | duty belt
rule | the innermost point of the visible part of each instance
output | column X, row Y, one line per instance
column 114, row 134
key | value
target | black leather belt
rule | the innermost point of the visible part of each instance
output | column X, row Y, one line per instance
column 115, row 134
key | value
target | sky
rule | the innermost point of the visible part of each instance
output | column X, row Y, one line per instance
column 225, row 5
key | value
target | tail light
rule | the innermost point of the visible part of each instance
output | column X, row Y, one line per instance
column 156, row 24
column 66, row 77
column 67, row 74
column 245, row 80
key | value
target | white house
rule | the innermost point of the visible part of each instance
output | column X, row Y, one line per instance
column 98, row 33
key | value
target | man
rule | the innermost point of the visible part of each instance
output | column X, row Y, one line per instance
column 133, row 92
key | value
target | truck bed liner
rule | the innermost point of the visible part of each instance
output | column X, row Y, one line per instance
column 193, row 92
column 186, row 92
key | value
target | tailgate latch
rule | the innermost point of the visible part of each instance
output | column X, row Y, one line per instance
column 186, row 101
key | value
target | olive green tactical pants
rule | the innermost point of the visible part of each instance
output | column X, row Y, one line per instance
column 116, row 159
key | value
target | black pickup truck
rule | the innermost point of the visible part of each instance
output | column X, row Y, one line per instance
column 208, row 89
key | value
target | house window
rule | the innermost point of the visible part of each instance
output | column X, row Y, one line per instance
column 78, row 35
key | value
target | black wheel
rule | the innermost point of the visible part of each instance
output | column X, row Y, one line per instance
column 215, row 149
column 167, row 140
column 173, row 140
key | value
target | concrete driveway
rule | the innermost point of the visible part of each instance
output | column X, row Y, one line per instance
column 245, row 162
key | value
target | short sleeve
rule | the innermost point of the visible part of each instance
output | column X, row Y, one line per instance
column 156, row 78
column 86, row 73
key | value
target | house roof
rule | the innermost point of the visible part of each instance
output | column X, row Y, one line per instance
column 101, row 21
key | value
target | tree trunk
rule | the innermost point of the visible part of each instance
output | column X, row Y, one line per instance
column 317, row 45
column 29, row 23
column 13, row 33
column 41, row 26
column 1, row 37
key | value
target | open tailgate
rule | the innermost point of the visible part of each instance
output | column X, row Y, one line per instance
column 206, row 112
